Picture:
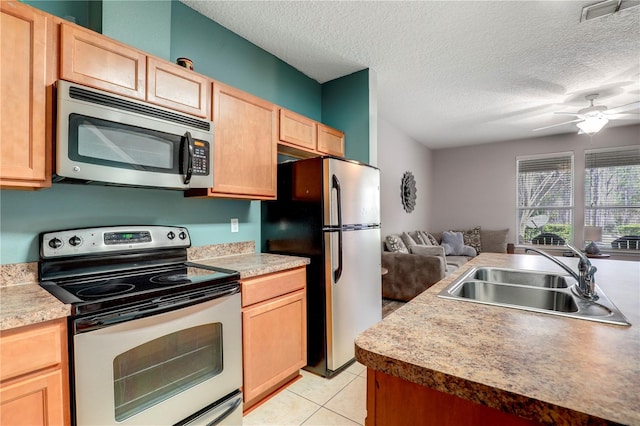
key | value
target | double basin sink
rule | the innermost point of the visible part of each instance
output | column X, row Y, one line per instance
column 543, row 292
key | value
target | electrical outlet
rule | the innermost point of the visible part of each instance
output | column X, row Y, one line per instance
column 234, row 225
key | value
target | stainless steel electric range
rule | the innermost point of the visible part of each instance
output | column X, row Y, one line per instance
column 153, row 338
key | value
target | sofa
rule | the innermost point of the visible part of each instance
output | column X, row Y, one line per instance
column 414, row 261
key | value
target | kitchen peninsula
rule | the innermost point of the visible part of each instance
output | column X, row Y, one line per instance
column 437, row 361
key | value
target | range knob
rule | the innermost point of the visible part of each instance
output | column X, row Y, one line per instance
column 55, row 243
column 171, row 235
column 75, row 240
column 182, row 235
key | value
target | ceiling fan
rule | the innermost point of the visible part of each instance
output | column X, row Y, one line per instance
column 593, row 118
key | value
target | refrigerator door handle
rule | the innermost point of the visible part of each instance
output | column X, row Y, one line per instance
column 337, row 273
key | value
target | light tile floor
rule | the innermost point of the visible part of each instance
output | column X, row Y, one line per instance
column 314, row 400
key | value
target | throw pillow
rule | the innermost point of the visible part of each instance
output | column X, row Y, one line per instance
column 415, row 235
column 453, row 243
column 408, row 241
column 428, row 239
column 394, row 244
column 471, row 238
column 494, row 241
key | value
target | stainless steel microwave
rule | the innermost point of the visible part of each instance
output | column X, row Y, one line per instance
column 113, row 140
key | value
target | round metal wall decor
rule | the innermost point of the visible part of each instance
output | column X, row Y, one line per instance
column 408, row 192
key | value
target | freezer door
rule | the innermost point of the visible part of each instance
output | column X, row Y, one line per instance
column 352, row 191
column 354, row 297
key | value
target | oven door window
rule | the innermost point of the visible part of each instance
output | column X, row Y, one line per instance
column 103, row 142
column 159, row 369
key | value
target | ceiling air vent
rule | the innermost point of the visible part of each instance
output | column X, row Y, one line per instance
column 606, row 8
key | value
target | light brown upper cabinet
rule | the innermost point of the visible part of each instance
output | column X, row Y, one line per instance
column 303, row 137
column 245, row 146
column 297, row 130
column 26, row 67
column 330, row 141
column 94, row 60
column 176, row 87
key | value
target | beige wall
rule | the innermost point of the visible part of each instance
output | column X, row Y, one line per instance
column 477, row 185
column 397, row 154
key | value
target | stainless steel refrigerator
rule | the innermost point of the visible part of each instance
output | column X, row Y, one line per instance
column 328, row 209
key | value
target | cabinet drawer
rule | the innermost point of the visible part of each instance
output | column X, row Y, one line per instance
column 265, row 287
column 31, row 348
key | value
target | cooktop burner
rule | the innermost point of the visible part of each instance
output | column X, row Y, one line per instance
column 170, row 279
column 104, row 290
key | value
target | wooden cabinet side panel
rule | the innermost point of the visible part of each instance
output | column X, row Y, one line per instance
column 23, row 60
column 330, row 141
column 245, row 145
column 274, row 343
column 398, row 402
column 36, row 400
column 94, row 60
column 297, row 130
column 264, row 287
column 175, row 87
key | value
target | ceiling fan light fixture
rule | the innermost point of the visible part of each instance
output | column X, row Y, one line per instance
column 592, row 125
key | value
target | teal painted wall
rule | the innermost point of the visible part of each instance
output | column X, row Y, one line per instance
column 226, row 57
column 145, row 25
column 24, row 214
column 217, row 53
column 345, row 106
column 86, row 13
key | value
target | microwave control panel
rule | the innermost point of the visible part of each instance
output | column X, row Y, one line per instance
column 200, row 158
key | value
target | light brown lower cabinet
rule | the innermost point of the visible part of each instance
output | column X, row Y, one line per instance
column 274, row 332
column 34, row 388
column 394, row 401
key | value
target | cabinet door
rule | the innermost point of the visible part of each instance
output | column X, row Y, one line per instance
column 297, row 130
column 245, row 145
column 178, row 88
column 34, row 386
column 94, row 60
column 330, row 141
column 35, row 400
column 24, row 152
column 274, row 337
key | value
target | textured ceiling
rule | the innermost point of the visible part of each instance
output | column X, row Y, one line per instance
column 454, row 73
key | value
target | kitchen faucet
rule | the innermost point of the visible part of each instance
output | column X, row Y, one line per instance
column 585, row 277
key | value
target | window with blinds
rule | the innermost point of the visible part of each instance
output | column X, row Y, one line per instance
column 545, row 199
column 612, row 195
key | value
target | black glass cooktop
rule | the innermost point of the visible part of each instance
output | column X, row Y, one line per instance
column 99, row 292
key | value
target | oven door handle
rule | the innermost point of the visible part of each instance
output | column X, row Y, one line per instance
column 155, row 307
column 220, row 411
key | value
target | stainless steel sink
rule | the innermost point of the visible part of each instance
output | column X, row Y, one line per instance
column 531, row 278
column 544, row 292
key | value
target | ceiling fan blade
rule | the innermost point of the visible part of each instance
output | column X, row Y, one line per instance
column 559, row 124
column 575, row 114
column 623, row 108
column 623, row 116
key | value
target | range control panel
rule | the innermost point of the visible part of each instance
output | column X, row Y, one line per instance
column 83, row 241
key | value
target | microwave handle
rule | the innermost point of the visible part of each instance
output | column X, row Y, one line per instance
column 187, row 157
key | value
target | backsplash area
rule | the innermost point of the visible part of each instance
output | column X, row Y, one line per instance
column 25, row 214
column 27, row 273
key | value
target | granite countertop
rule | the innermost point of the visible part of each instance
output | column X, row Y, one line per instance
column 253, row 264
column 24, row 302
column 547, row 368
